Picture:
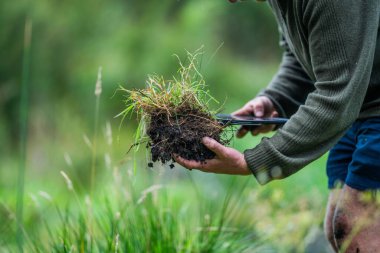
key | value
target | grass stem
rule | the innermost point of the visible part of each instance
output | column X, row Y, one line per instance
column 23, row 133
column 98, row 91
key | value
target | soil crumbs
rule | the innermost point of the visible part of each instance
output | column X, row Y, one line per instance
column 182, row 135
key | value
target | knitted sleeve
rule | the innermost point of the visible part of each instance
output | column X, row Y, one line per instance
column 290, row 86
column 341, row 37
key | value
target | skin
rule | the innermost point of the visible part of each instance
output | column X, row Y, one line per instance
column 352, row 221
column 352, row 224
column 229, row 160
column 329, row 217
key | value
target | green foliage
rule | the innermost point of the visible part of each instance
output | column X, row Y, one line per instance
column 192, row 211
column 169, row 95
column 164, row 210
column 129, row 218
column 129, row 39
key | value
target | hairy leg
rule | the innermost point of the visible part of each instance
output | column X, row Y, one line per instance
column 330, row 211
column 356, row 222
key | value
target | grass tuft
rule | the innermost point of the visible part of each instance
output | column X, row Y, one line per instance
column 174, row 115
column 168, row 97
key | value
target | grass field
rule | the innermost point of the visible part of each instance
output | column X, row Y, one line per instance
column 67, row 183
column 83, row 193
column 156, row 209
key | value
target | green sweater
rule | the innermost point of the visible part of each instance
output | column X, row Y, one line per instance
column 329, row 77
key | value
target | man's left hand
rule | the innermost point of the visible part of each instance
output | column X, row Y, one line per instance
column 227, row 160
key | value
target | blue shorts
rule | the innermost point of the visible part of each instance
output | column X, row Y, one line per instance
column 355, row 159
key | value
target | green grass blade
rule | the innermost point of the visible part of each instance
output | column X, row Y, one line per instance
column 23, row 133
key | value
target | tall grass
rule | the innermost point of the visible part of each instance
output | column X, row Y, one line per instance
column 169, row 96
column 154, row 211
column 154, row 219
column 98, row 92
column 139, row 212
column 23, row 133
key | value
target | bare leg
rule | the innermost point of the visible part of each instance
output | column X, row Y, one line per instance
column 330, row 211
column 356, row 222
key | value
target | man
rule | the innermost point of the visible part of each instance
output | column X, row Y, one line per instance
column 329, row 86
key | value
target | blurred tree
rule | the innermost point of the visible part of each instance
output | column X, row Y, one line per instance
column 250, row 31
column 12, row 21
column 130, row 39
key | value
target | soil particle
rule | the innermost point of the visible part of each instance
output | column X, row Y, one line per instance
column 181, row 134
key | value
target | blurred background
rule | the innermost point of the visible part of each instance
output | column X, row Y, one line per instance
column 69, row 41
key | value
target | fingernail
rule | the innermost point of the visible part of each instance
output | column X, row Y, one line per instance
column 259, row 114
column 206, row 140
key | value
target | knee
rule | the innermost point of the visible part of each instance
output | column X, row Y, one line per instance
column 341, row 228
column 329, row 232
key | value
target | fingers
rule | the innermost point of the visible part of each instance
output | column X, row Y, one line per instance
column 258, row 109
column 254, row 107
column 274, row 114
column 263, row 129
column 190, row 164
column 208, row 166
column 211, row 144
column 214, row 146
column 241, row 132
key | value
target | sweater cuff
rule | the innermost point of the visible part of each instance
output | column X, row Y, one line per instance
column 263, row 167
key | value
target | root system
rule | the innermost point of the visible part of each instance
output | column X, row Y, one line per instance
column 174, row 115
column 182, row 134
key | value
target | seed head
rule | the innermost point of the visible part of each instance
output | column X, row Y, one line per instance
column 109, row 133
column 87, row 141
column 45, row 195
column 68, row 181
column 98, row 86
column 68, row 160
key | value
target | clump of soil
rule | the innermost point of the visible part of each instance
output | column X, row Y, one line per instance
column 174, row 115
column 182, row 134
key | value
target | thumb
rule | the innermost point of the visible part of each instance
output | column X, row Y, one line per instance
column 214, row 146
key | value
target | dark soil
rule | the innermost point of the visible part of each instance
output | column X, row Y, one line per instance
column 182, row 134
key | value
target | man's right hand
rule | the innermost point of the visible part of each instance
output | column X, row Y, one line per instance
column 261, row 107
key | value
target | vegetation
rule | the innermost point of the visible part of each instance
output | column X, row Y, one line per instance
column 161, row 211
column 80, row 192
column 177, row 113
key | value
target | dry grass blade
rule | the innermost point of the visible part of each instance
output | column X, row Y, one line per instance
column 175, row 112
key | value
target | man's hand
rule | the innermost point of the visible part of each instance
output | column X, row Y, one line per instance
column 227, row 160
column 261, row 107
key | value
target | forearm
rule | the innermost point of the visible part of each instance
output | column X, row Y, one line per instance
column 290, row 86
column 342, row 66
